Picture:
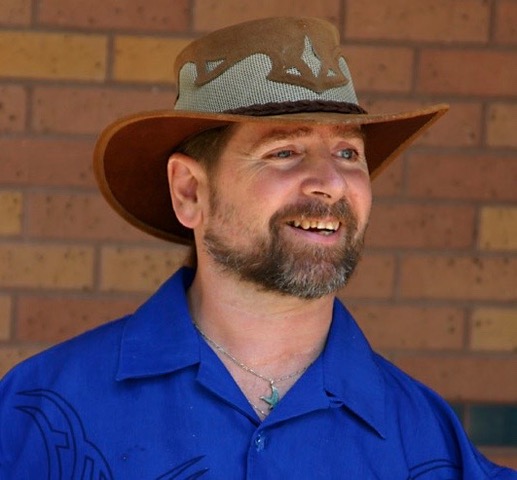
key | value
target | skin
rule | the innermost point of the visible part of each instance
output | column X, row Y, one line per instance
column 263, row 169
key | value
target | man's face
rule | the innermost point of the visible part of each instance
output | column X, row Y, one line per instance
column 289, row 207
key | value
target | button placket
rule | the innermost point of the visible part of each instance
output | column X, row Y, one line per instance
column 260, row 441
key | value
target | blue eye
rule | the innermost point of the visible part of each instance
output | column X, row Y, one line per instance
column 347, row 154
column 284, row 154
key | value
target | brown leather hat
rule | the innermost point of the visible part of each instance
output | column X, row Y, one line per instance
column 275, row 70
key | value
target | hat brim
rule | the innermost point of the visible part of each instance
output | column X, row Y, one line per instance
column 131, row 154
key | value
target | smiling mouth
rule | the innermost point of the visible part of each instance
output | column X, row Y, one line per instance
column 326, row 227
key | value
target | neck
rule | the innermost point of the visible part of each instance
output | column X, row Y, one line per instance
column 271, row 332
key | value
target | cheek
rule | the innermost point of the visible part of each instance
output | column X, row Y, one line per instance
column 274, row 187
column 233, row 213
column 365, row 192
column 264, row 192
column 360, row 195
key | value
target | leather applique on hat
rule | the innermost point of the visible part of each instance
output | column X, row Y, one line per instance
column 310, row 57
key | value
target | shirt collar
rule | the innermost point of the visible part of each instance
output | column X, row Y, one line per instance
column 153, row 344
column 159, row 337
column 352, row 376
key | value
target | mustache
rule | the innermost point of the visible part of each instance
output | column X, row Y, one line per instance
column 340, row 210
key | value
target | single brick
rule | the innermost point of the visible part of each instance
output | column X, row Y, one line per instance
column 390, row 182
column 498, row 228
column 383, row 69
column 155, row 15
column 10, row 212
column 420, row 226
column 501, row 125
column 462, row 176
column 46, row 161
column 12, row 355
column 135, row 269
column 482, row 72
column 78, row 216
column 15, row 12
column 458, row 277
column 13, row 105
column 459, row 127
column 465, row 378
column 212, row 14
column 56, row 56
column 89, row 110
column 51, row 319
column 45, row 266
column 146, row 59
column 373, row 278
column 407, row 327
column 5, row 317
column 506, row 21
column 494, row 329
column 427, row 20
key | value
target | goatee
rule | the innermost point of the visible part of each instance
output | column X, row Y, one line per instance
column 279, row 265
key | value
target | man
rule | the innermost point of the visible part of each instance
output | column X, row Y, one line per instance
column 246, row 366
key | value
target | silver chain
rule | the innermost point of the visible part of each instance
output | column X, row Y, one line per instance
column 262, row 412
column 273, row 399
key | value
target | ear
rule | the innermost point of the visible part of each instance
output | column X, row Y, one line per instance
column 187, row 184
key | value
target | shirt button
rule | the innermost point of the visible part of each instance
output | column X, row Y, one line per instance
column 260, row 442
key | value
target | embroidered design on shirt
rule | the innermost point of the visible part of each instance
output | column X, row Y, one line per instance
column 427, row 470
column 69, row 452
column 175, row 473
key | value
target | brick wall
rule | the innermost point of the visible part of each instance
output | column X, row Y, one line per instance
column 437, row 290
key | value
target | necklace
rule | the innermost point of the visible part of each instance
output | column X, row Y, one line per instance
column 274, row 397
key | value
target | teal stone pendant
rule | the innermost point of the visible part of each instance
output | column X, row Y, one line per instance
column 273, row 399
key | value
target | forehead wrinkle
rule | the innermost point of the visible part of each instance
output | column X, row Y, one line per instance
column 288, row 132
column 282, row 133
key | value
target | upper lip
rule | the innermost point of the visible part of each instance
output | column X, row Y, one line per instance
column 306, row 224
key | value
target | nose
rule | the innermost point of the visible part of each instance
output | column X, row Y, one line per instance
column 324, row 179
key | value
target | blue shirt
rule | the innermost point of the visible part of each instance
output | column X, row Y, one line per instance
column 145, row 398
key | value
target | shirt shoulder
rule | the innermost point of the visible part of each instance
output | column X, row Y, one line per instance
column 422, row 411
column 84, row 351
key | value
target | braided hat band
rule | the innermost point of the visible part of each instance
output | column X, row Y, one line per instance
column 283, row 108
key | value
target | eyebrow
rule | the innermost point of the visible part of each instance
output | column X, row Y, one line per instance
column 284, row 133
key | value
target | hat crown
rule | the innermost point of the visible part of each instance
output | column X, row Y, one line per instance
column 264, row 61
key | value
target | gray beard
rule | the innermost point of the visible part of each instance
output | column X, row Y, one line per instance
column 274, row 264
